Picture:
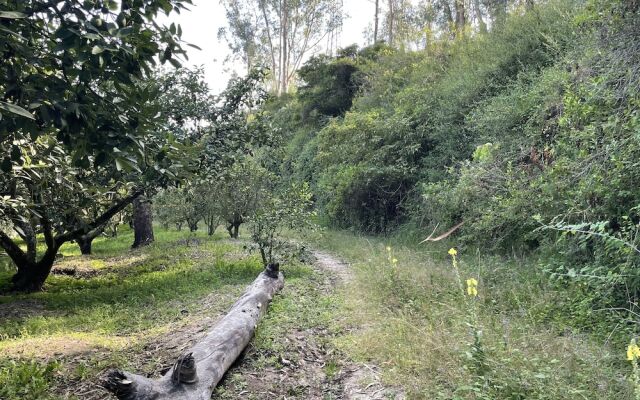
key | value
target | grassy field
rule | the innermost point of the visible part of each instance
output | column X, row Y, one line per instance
column 403, row 308
column 413, row 316
column 122, row 308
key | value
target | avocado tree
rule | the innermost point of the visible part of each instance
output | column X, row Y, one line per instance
column 287, row 208
column 179, row 205
column 75, row 118
column 240, row 189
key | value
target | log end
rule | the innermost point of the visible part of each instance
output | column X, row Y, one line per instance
column 184, row 370
column 273, row 270
column 118, row 383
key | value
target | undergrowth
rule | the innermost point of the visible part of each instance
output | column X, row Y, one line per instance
column 434, row 338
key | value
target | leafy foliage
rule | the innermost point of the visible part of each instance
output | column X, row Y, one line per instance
column 78, row 116
column 288, row 209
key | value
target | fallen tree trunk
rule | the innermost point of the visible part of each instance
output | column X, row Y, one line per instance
column 195, row 374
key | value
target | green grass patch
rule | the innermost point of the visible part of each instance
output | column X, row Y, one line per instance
column 412, row 318
column 118, row 299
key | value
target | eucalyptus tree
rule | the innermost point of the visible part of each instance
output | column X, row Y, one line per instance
column 279, row 34
column 75, row 120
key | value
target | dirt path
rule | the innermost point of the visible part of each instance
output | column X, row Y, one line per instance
column 359, row 381
column 306, row 365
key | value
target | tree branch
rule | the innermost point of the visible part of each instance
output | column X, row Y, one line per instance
column 101, row 220
column 14, row 251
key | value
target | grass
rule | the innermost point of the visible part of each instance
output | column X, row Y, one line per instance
column 411, row 318
column 122, row 300
column 514, row 341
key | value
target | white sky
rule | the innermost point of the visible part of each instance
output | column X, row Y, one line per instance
column 200, row 27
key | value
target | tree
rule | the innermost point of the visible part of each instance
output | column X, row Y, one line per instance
column 280, row 209
column 185, row 105
column 461, row 17
column 209, row 211
column 391, row 17
column 376, row 20
column 72, row 114
column 240, row 190
column 142, row 222
column 279, row 33
column 328, row 83
column 404, row 23
column 178, row 205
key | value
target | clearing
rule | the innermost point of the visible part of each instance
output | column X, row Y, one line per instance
column 390, row 324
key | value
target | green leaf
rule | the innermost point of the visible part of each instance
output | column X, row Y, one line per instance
column 125, row 31
column 12, row 108
column 12, row 15
column 126, row 164
column 97, row 50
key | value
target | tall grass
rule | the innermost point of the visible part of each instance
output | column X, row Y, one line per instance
column 509, row 342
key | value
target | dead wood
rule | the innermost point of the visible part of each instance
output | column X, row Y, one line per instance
column 196, row 373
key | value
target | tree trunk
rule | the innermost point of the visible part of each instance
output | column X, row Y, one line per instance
column 478, row 11
column 375, row 22
column 391, row 21
column 84, row 243
column 230, row 230
column 28, row 235
column 196, row 373
column 236, row 230
column 179, row 226
column 498, row 13
column 193, row 226
column 284, row 51
column 449, row 16
column 86, row 240
column 212, row 224
column 32, row 275
column 233, row 226
column 461, row 18
column 142, row 222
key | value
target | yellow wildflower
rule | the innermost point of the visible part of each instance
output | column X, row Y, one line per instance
column 633, row 351
column 453, row 252
column 472, row 287
column 395, row 261
column 388, row 248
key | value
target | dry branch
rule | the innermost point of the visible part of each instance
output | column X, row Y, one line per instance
column 196, row 373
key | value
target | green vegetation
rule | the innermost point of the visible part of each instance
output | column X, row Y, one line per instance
column 118, row 302
column 527, row 133
column 406, row 311
column 505, row 132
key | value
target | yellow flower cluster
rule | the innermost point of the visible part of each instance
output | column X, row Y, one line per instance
column 472, row 287
column 633, row 351
column 453, row 252
column 391, row 259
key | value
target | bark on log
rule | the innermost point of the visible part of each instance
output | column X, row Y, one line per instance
column 196, row 373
